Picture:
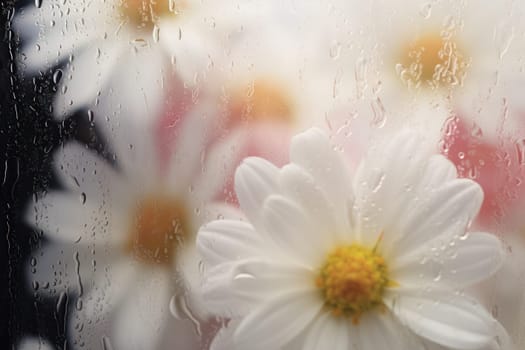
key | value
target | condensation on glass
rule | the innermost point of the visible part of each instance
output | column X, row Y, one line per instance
column 138, row 218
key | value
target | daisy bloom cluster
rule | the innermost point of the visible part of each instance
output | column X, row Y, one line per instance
column 377, row 260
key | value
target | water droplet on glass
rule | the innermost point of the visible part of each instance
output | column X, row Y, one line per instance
column 79, row 304
column 91, row 115
column 179, row 309
column 426, row 10
column 83, row 198
column 379, row 119
column 503, row 37
column 106, row 343
column 437, row 277
column 520, row 151
column 464, row 236
column 156, row 33
column 57, row 75
column 139, row 42
column 243, row 276
column 61, row 303
column 77, row 270
column 202, row 268
column 335, row 51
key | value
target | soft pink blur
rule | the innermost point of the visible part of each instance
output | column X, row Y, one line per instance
column 496, row 164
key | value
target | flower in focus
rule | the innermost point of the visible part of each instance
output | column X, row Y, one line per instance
column 119, row 54
column 124, row 240
column 376, row 261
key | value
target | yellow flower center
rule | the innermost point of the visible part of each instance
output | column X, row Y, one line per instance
column 159, row 226
column 433, row 60
column 145, row 13
column 261, row 100
column 352, row 280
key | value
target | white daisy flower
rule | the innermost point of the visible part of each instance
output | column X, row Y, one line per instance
column 33, row 343
column 398, row 54
column 331, row 261
column 274, row 75
column 123, row 240
column 119, row 54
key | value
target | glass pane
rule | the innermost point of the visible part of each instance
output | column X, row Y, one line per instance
column 233, row 174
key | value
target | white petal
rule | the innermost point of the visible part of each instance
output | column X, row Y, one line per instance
column 59, row 267
column 188, row 270
column 382, row 331
column 47, row 45
column 31, row 343
column 108, row 290
column 463, row 262
column 219, row 167
column 312, row 151
column 72, row 218
column 278, row 321
column 438, row 171
column 135, row 150
column 191, row 138
column 444, row 212
column 135, row 91
column 502, row 341
column 81, row 170
column 384, row 186
column 444, row 318
column 329, row 332
column 84, row 77
column 92, row 323
column 221, row 293
column 227, row 240
column 235, row 288
column 300, row 186
column 142, row 317
column 287, row 224
column 255, row 179
column 220, row 211
column 504, row 291
column 191, row 47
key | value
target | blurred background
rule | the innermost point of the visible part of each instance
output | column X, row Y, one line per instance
column 251, row 74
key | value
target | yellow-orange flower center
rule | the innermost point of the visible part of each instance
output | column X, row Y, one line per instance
column 261, row 100
column 145, row 13
column 159, row 226
column 433, row 60
column 352, row 280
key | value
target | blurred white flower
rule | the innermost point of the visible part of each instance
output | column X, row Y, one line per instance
column 123, row 241
column 32, row 343
column 278, row 75
column 399, row 55
column 118, row 55
column 331, row 261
